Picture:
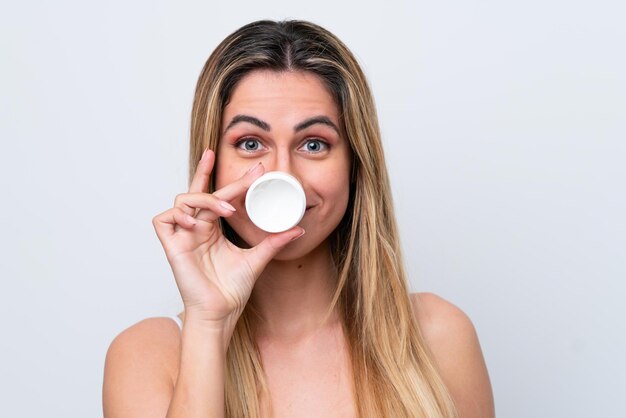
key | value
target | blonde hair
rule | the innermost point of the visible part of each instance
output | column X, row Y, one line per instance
column 393, row 371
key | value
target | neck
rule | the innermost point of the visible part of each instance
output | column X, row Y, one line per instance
column 292, row 297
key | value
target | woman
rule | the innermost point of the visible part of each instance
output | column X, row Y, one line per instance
column 292, row 324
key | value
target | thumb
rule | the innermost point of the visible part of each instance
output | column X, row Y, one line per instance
column 270, row 246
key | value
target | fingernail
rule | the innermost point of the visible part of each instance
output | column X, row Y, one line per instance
column 254, row 167
column 191, row 219
column 204, row 153
column 298, row 236
column 228, row 206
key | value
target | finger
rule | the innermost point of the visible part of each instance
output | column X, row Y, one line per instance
column 210, row 206
column 239, row 187
column 165, row 223
column 200, row 182
column 270, row 246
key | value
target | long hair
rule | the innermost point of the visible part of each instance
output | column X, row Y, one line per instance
column 393, row 371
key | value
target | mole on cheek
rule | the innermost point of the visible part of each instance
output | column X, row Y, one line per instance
column 300, row 266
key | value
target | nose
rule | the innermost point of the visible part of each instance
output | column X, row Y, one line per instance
column 281, row 160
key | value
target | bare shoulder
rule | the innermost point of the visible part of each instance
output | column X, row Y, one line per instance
column 157, row 339
column 140, row 368
column 453, row 341
column 436, row 315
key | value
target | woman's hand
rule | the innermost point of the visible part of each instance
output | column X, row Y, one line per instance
column 214, row 277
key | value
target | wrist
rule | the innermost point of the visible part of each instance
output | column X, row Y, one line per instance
column 221, row 329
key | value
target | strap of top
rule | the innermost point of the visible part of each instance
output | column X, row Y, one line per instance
column 178, row 321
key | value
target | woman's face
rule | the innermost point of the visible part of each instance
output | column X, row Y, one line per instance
column 289, row 122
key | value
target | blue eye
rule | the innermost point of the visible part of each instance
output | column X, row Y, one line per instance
column 249, row 144
column 315, row 146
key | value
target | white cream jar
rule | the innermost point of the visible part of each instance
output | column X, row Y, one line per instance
column 275, row 202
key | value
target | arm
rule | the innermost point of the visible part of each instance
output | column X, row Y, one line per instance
column 215, row 279
column 452, row 338
column 199, row 390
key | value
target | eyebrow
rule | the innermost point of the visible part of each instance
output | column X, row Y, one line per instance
column 324, row 120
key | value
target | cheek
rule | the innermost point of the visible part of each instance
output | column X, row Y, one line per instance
column 335, row 191
column 225, row 174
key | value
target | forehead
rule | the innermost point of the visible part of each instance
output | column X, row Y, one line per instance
column 289, row 94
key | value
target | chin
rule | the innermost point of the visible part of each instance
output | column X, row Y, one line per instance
column 296, row 250
column 293, row 251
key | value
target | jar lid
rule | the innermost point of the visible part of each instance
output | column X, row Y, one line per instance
column 275, row 202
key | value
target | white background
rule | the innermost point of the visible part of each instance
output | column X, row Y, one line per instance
column 504, row 126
